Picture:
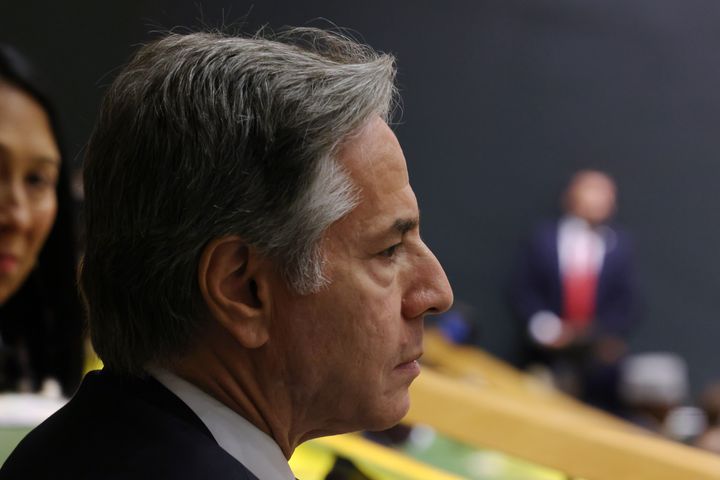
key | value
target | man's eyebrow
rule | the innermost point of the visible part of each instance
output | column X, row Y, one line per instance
column 404, row 225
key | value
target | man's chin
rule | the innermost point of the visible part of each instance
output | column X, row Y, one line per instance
column 390, row 414
column 377, row 415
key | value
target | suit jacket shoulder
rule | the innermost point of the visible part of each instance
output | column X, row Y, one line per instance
column 122, row 428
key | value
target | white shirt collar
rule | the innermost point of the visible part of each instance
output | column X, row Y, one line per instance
column 571, row 221
column 257, row 451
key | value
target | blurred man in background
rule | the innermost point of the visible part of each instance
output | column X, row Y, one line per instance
column 254, row 271
column 574, row 292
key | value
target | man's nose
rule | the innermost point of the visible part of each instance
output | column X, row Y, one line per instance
column 430, row 292
column 14, row 206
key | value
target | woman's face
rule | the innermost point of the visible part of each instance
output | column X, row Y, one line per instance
column 29, row 169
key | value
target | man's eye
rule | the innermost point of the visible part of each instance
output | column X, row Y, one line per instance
column 390, row 251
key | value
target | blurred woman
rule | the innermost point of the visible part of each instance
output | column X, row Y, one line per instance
column 40, row 313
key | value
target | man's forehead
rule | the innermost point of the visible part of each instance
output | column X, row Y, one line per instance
column 389, row 216
column 375, row 163
column 374, row 160
column 593, row 179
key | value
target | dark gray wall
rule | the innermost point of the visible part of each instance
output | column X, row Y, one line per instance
column 503, row 99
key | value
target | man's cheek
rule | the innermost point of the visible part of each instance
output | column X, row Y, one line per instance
column 378, row 273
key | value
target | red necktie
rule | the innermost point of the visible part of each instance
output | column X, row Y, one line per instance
column 580, row 283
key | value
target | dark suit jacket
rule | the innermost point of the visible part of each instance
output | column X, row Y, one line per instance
column 538, row 285
column 122, row 428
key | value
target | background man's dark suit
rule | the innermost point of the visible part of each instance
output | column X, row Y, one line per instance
column 116, row 427
column 539, row 284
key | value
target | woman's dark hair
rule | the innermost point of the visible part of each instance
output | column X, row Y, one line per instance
column 44, row 317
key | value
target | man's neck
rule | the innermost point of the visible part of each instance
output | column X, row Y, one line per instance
column 253, row 448
column 216, row 373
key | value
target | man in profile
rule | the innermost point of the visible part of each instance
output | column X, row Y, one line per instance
column 574, row 292
column 254, row 272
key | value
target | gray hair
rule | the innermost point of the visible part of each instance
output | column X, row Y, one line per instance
column 206, row 135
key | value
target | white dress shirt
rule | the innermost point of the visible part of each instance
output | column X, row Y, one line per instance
column 244, row 441
column 580, row 247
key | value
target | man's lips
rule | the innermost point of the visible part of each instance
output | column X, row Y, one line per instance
column 410, row 362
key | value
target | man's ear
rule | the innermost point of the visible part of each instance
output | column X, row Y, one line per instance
column 233, row 285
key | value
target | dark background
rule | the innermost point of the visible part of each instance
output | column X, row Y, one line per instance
column 503, row 100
